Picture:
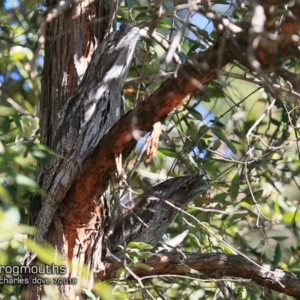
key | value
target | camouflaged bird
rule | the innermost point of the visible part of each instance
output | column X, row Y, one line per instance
column 147, row 218
column 89, row 113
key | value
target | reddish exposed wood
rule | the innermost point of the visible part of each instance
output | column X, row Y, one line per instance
column 123, row 136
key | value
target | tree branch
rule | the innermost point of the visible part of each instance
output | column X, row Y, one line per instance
column 122, row 137
column 215, row 266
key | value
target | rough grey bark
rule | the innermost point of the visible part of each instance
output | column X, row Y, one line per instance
column 147, row 218
column 89, row 113
column 71, row 37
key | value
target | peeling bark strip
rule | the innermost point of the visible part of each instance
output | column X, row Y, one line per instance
column 147, row 218
column 88, row 114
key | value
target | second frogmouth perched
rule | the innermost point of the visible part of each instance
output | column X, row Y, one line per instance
column 149, row 216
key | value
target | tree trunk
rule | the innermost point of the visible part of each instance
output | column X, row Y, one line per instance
column 70, row 40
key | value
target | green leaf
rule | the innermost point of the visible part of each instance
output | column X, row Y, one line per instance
column 167, row 152
column 291, row 217
column 220, row 197
column 7, row 111
column 194, row 239
column 194, row 47
column 5, row 196
column 277, row 255
column 195, row 113
column 295, row 230
column 234, row 188
column 121, row 273
column 218, row 183
column 216, row 144
column 226, row 249
column 143, row 8
column 296, row 272
column 280, row 238
column 5, row 124
column 134, row 260
column 150, row 46
column 141, row 16
column 89, row 294
column 46, row 255
column 144, row 267
column 106, row 291
column 163, row 25
column 4, row 258
column 276, row 122
column 41, row 155
column 139, row 245
column 7, row 157
column 26, row 229
column 203, row 130
column 25, row 181
column 220, row 134
column 24, row 162
column 257, row 195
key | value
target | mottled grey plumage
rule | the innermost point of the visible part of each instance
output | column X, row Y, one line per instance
column 148, row 218
column 89, row 113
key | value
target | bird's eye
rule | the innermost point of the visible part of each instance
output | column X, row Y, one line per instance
column 109, row 45
column 183, row 187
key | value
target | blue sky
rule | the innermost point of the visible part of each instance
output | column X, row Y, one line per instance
column 9, row 4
